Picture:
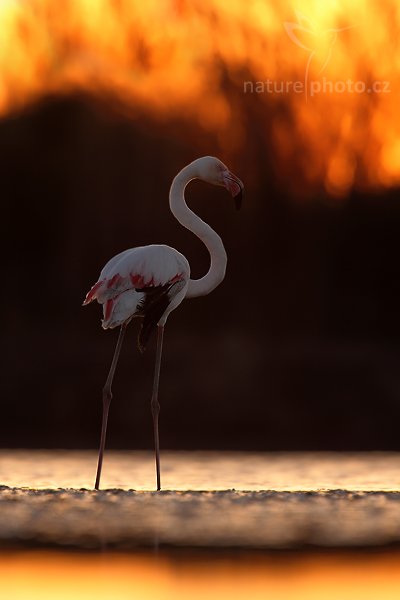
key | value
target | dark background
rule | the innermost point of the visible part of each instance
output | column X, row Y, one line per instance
column 297, row 349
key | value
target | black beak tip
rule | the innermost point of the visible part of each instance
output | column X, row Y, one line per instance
column 239, row 199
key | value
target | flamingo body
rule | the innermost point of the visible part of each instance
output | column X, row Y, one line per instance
column 147, row 281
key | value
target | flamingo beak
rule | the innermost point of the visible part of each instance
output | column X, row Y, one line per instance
column 235, row 187
column 239, row 198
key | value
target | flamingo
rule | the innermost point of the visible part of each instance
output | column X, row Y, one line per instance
column 151, row 281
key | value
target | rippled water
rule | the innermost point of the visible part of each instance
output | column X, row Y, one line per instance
column 209, row 500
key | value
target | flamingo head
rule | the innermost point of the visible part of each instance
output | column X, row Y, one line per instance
column 214, row 171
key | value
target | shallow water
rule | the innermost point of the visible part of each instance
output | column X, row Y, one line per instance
column 214, row 501
column 181, row 471
column 209, row 500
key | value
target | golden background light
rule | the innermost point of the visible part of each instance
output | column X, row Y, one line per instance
column 189, row 60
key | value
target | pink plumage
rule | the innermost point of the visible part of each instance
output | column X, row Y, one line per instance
column 128, row 279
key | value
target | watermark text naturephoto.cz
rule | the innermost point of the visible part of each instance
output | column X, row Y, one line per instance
column 323, row 86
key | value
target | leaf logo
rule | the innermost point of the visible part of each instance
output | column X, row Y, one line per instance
column 318, row 44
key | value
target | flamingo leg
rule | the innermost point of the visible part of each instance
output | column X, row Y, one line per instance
column 107, row 397
column 155, row 406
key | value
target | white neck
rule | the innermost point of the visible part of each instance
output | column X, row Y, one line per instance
column 187, row 218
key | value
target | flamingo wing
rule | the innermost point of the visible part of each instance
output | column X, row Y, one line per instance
column 139, row 282
column 156, row 301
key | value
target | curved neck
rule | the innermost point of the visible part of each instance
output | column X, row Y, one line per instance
column 187, row 218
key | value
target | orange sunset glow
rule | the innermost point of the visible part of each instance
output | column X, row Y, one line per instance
column 191, row 60
column 122, row 576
